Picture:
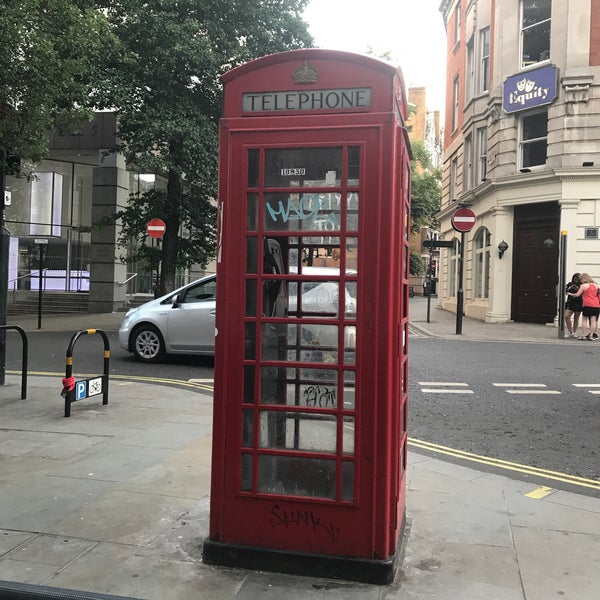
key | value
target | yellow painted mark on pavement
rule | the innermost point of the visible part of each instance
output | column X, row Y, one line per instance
column 540, row 493
column 506, row 465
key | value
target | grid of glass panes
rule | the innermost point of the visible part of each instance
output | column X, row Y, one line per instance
column 298, row 416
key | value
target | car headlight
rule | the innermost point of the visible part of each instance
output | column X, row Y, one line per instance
column 130, row 312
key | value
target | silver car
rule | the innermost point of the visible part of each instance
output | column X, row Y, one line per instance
column 181, row 322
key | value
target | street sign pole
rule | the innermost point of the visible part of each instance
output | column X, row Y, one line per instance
column 462, row 220
column 429, row 284
column 562, row 283
column 459, row 294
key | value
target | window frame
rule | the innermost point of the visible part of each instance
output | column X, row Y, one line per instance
column 468, row 163
column 482, row 143
column 529, row 142
column 455, row 95
column 484, row 60
column 524, row 30
column 482, row 251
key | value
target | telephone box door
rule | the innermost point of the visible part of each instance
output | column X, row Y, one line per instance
column 297, row 452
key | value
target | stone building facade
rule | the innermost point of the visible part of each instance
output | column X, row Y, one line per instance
column 522, row 150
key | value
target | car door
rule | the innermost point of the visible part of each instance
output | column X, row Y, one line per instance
column 191, row 320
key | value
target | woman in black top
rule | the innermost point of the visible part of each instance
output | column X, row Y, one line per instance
column 573, row 306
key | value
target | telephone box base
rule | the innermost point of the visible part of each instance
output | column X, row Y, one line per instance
column 362, row 570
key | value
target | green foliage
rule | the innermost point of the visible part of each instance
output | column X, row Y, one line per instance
column 166, row 89
column 417, row 264
column 52, row 53
column 426, row 192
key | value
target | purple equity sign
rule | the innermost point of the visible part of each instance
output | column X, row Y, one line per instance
column 530, row 89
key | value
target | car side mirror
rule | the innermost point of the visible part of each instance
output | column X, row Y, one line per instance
column 177, row 301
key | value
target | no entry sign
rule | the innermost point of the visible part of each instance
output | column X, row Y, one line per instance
column 156, row 228
column 463, row 219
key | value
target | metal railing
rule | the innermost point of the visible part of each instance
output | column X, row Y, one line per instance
column 24, row 356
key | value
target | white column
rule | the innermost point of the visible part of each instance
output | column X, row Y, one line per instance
column 501, row 268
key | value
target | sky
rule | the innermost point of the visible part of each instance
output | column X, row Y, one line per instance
column 411, row 31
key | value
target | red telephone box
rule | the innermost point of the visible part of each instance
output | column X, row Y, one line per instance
column 310, row 405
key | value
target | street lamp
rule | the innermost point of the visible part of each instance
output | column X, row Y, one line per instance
column 502, row 248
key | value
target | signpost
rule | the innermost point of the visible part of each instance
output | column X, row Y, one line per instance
column 462, row 220
column 431, row 244
column 156, row 228
column 41, row 243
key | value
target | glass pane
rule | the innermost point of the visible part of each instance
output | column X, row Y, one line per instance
column 250, row 341
column 349, row 390
column 303, row 167
column 249, row 384
column 251, row 255
column 298, row 387
column 535, row 126
column 348, row 481
column 246, row 475
column 252, row 212
column 352, row 211
column 348, row 436
column 536, row 43
column 304, row 342
column 253, row 161
column 251, row 297
column 298, row 431
column 350, row 345
column 351, row 302
column 353, row 165
column 247, row 428
column 352, row 256
column 302, row 212
column 316, row 298
column 535, row 153
column 273, row 385
column 535, row 11
column 290, row 475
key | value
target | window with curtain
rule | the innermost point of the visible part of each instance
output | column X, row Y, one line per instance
column 482, row 253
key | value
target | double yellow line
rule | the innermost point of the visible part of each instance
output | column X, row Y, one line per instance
column 142, row 378
column 413, row 442
column 505, row 465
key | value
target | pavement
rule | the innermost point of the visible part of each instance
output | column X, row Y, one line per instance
column 114, row 501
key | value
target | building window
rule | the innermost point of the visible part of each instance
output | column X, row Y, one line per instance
column 481, row 154
column 46, row 204
column 483, row 246
column 455, row 104
column 468, row 164
column 484, row 51
column 535, row 31
column 454, row 179
column 470, row 80
column 453, row 268
column 534, row 139
column 457, row 24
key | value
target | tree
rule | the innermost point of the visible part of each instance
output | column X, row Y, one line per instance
column 166, row 90
column 52, row 52
column 426, row 191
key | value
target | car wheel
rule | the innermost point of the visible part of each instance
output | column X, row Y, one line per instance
column 148, row 344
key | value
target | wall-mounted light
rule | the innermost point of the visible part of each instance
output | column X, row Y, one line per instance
column 502, row 248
